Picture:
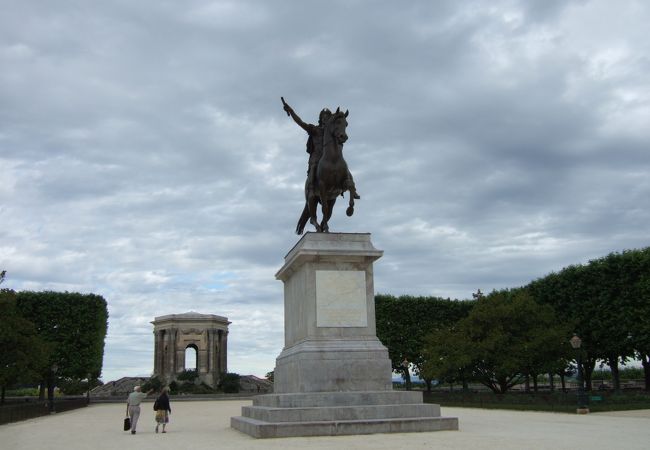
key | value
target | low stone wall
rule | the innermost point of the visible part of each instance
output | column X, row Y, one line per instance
column 179, row 398
column 30, row 408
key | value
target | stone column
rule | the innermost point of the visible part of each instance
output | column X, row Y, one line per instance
column 217, row 355
column 165, row 362
column 173, row 334
column 160, row 369
column 203, row 354
column 211, row 358
column 223, row 351
column 208, row 350
column 156, row 350
column 180, row 356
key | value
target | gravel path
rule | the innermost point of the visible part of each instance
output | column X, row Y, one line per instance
column 206, row 424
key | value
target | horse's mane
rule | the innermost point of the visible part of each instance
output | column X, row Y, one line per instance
column 329, row 122
column 335, row 115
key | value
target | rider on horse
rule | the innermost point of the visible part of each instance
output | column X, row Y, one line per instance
column 315, row 146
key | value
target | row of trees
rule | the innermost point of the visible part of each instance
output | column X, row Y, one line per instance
column 510, row 336
column 48, row 336
column 506, row 338
column 23, row 354
column 403, row 324
column 607, row 303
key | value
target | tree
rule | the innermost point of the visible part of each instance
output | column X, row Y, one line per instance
column 23, row 354
column 569, row 292
column 190, row 375
column 154, row 383
column 446, row 356
column 229, row 383
column 74, row 325
column 639, row 311
column 404, row 322
column 607, row 301
column 505, row 336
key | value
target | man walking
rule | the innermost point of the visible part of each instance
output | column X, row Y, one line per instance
column 133, row 405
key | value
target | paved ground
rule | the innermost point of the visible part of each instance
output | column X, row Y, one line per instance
column 206, row 424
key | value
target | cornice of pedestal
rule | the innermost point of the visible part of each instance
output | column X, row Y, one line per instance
column 335, row 247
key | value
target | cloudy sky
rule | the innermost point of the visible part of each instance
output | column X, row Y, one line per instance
column 145, row 155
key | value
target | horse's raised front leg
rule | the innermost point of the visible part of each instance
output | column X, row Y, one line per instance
column 353, row 194
column 350, row 209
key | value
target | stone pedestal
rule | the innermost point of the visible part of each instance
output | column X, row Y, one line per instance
column 334, row 376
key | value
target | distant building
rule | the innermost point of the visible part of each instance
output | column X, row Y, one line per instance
column 121, row 388
column 206, row 334
column 253, row 384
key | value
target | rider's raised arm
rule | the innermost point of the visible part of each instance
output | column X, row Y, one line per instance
column 309, row 128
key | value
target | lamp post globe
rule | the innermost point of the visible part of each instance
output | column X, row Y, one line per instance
column 583, row 401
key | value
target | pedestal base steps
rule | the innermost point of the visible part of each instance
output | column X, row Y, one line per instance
column 340, row 413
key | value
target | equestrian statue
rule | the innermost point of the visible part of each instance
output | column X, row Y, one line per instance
column 328, row 175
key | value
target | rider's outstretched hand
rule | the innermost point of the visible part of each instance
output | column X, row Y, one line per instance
column 286, row 107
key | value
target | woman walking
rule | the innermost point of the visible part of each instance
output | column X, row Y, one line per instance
column 163, row 410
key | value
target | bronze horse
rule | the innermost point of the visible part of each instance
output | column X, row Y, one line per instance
column 332, row 176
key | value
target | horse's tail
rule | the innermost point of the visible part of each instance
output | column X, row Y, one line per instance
column 303, row 220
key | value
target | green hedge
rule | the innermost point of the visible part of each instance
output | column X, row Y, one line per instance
column 543, row 401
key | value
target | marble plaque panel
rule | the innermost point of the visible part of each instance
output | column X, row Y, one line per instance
column 341, row 298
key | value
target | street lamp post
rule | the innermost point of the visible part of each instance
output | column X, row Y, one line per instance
column 583, row 401
column 407, row 375
column 50, row 388
column 88, row 391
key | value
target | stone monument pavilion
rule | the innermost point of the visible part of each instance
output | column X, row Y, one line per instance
column 207, row 334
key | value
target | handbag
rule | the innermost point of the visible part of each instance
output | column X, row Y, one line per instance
column 127, row 423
